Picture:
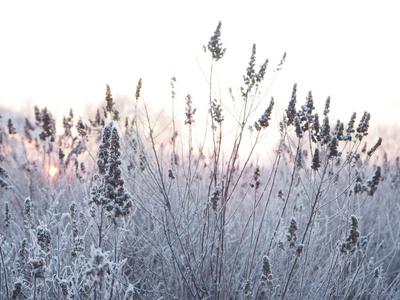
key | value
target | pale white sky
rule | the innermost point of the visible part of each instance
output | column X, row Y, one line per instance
column 62, row 54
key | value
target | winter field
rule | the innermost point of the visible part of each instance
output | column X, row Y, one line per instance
column 125, row 207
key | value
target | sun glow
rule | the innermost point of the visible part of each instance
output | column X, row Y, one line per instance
column 53, row 171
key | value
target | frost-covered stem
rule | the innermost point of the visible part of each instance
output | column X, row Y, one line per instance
column 307, row 227
column 286, row 202
column 234, row 155
column 354, row 277
column 220, row 248
column 313, row 208
column 162, row 188
column 304, row 266
column 216, row 152
column 330, row 272
column 262, row 219
column 115, row 259
column 168, row 239
column 100, row 226
column 34, row 287
column 5, row 272
column 275, row 165
column 242, row 170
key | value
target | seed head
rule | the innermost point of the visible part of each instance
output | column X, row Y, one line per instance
column 8, row 215
column 376, row 146
column 327, row 105
column 362, row 129
column 189, row 112
column 44, row 238
column 215, row 45
column 215, row 197
column 263, row 122
column 291, row 235
column 333, row 152
column 316, row 163
column 291, row 110
column 325, row 131
column 11, row 128
column 138, row 88
column 373, row 184
column 109, row 100
column 297, row 124
column 351, row 241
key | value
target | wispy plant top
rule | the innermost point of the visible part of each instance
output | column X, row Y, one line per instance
column 215, row 45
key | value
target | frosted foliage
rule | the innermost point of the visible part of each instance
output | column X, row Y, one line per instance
column 151, row 208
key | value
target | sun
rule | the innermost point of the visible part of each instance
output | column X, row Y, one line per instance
column 53, row 171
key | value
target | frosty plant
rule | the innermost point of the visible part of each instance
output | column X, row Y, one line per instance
column 109, row 198
column 161, row 216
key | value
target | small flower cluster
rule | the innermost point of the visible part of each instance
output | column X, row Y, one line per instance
column 373, row 184
column 266, row 276
column 109, row 100
column 350, row 128
column 111, row 193
column 11, row 128
column 325, row 131
column 305, row 114
column 189, row 112
column 216, row 112
column 138, row 88
column 27, row 212
column 46, row 121
column 297, row 124
column 316, row 161
column 83, row 129
column 263, row 122
column 252, row 79
column 376, row 146
column 44, row 238
column 68, row 123
column 291, row 110
column 256, row 178
column 291, row 235
column 215, row 197
column 215, row 45
column 362, row 129
column 171, row 174
column 351, row 242
column 8, row 215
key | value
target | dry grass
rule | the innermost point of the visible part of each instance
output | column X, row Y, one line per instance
column 138, row 213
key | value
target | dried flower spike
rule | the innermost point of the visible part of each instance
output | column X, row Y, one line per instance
column 109, row 100
column 316, row 163
column 263, row 122
column 376, row 146
column 138, row 88
column 291, row 110
column 215, row 45
column 189, row 112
